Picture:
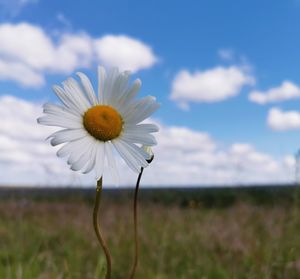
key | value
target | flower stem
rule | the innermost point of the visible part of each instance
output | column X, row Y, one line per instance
column 136, row 241
column 97, row 229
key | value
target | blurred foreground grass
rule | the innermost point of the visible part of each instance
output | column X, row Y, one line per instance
column 53, row 238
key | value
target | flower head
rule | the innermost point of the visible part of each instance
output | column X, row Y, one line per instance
column 94, row 124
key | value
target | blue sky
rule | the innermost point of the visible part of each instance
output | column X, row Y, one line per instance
column 258, row 40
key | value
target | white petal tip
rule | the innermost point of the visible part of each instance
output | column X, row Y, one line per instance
column 58, row 154
column 80, row 74
column 127, row 72
column 73, row 168
column 155, row 129
column 101, row 69
column 151, row 98
column 138, row 82
column 52, row 142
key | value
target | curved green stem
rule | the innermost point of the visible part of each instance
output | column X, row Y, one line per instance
column 97, row 229
column 136, row 241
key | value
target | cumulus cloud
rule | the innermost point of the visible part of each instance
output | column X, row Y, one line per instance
column 279, row 120
column 289, row 161
column 23, row 152
column 286, row 91
column 124, row 52
column 212, row 85
column 28, row 52
column 21, row 73
column 183, row 157
column 208, row 163
column 246, row 156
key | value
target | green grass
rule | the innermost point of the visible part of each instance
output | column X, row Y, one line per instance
column 55, row 239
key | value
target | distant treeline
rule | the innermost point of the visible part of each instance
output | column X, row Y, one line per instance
column 214, row 197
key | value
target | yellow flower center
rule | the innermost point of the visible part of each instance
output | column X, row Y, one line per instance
column 103, row 122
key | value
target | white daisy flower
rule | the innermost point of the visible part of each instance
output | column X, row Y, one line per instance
column 94, row 124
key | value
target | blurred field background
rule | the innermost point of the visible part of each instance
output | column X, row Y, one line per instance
column 196, row 233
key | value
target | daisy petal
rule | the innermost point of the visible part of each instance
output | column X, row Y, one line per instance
column 67, row 135
column 89, row 90
column 144, row 113
column 71, row 147
column 140, row 154
column 65, row 150
column 141, row 110
column 141, row 128
column 74, row 91
column 122, row 89
column 118, row 89
column 58, row 133
column 144, row 139
column 112, row 162
column 51, row 120
column 91, row 163
column 101, row 83
column 60, row 112
column 79, row 148
column 83, row 160
column 130, row 93
column 109, row 84
column 99, row 164
column 127, row 156
column 61, row 94
column 69, row 98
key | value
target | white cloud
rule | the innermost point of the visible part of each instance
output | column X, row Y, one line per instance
column 279, row 120
column 212, row 85
column 125, row 52
column 196, row 158
column 24, row 156
column 28, row 52
column 286, row 91
column 72, row 52
column 246, row 156
column 184, row 139
column 182, row 157
column 21, row 73
column 27, row 44
column 290, row 161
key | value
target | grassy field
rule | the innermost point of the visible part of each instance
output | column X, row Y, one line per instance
column 183, row 235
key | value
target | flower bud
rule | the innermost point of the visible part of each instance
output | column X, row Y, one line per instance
column 148, row 149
